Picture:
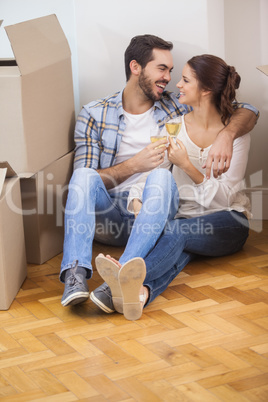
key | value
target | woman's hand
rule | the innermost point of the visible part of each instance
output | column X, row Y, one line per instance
column 178, row 154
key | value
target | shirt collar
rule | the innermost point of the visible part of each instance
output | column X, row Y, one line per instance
column 119, row 103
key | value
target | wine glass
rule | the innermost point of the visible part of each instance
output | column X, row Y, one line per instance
column 173, row 127
column 156, row 135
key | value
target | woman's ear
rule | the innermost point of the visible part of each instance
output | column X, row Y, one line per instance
column 206, row 92
column 135, row 67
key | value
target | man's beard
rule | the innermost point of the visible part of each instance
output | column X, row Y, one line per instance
column 146, row 85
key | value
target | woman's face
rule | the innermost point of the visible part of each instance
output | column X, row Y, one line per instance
column 190, row 93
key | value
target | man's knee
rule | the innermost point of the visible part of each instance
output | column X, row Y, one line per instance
column 161, row 184
column 160, row 176
column 81, row 176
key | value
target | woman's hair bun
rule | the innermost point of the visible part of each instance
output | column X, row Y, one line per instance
column 234, row 77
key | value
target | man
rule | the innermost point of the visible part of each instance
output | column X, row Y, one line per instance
column 113, row 149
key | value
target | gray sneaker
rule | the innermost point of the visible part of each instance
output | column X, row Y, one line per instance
column 76, row 288
column 102, row 297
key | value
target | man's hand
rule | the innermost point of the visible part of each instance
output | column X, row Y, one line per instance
column 150, row 157
column 147, row 159
column 220, row 155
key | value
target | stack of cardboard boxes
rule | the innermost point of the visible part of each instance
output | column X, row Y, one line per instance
column 36, row 148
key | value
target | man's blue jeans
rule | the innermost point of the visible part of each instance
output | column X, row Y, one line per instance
column 92, row 212
column 214, row 235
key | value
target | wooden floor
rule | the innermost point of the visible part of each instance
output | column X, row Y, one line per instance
column 204, row 339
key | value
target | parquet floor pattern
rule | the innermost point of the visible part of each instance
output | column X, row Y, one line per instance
column 204, row 339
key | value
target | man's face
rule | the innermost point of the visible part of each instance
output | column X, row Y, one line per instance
column 155, row 76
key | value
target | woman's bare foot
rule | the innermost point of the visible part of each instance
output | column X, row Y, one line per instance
column 126, row 284
column 144, row 292
column 114, row 260
column 144, row 296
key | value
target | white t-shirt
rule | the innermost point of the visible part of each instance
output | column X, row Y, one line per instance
column 135, row 137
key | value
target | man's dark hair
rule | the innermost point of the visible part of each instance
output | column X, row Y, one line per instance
column 141, row 49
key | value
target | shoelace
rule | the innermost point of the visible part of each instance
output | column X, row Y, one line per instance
column 106, row 287
column 72, row 280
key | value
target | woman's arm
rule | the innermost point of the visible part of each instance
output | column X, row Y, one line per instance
column 178, row 155
column 242, row 122
column 220, row 191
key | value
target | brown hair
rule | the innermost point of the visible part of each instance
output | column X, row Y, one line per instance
column 216, row 76
column 141, row 49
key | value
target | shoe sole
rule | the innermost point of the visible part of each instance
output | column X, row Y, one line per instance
column 109, row 271
column 131, row 278
column 75, row 298
column 98, row 303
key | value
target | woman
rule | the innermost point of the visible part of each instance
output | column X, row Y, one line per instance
column 212, row 219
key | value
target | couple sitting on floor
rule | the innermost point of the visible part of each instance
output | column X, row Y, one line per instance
column 164, row 218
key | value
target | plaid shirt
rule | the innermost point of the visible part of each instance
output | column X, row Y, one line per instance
column 100, row 126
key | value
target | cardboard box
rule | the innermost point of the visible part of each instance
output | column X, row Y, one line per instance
column 263, row 69
column 43, row 200
column 13, row 267
column 36, row 96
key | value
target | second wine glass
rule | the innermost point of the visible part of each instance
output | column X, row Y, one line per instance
column 173, row 127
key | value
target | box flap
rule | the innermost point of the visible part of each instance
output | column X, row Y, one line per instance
column 263, row 69
column 38, row 43
column 2, row 178
column 1, row 22
column 9, row 171
column 5, row 172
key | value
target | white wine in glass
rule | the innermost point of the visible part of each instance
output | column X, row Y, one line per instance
column 173, row 127
column 156, row 135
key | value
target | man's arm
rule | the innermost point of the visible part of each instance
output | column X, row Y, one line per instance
column 88, row 152
column 242, row 121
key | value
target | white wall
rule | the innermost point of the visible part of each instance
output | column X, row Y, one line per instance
column 246, row 47
column 105, row 29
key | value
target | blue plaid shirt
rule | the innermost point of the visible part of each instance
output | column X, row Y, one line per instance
column 100, row 125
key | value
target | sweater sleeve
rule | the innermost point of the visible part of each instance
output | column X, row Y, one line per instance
column 136, row 191
column 220, row 192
